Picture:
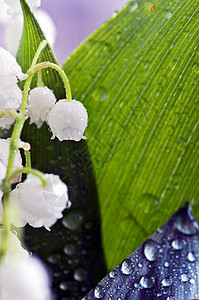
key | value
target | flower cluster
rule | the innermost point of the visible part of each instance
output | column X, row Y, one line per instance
column 10, row 93
column 11, row 17
column 67, row 119
column 41, row 198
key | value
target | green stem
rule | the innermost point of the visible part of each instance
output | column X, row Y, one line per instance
column 28, row 159
column 65, row 79
column 27, row 171
column 14, row 141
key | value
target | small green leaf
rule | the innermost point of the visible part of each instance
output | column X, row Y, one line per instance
column 138, row 78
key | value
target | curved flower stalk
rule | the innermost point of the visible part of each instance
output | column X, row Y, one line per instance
column 165, row 267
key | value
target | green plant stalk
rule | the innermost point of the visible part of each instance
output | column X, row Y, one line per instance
column 14, row 141
column 65, row 79
column 27, row 170
column 28, row 158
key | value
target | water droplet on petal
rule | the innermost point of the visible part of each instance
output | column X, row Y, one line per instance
column 99, row 292
column 147, row 282
column 166, row 282
column 184, row 278
column 73, row 220
column 191, row 257
column 178, row 244
column 127, row 267
column 80, row 274
column 152, row 250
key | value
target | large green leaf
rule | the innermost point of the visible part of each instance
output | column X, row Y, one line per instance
column 138, row 77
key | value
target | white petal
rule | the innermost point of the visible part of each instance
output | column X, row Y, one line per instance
column 42, row 206
column 24, row 280
column 40, row 102
column 14, row 7
column 4, row 154
column 9, row 66
column 68, row 120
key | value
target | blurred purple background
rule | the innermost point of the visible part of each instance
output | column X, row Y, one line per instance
column 75, row 20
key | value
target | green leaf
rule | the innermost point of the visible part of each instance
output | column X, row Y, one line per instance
column 72, row 249
column 138, row 78
column 30, row 40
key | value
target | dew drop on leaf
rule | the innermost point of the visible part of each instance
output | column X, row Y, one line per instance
column 73, row 220
column 133, row 7
column 184, row 278
column 127, row 267
column 178, row 244
column 191, row 257
column 166, row 282
column 152, row 250
column 80, row 274
column 147, row 282
column 99, row 292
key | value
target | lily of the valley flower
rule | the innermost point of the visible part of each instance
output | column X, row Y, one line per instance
column 24, row 280
column 68, row 120
column 40, row 102
column 37, row 205
column 14, row 7
column 10, row 93
column 4, row 154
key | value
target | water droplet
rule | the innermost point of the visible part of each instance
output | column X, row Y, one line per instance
column 100, row 94
column 140, row 265
column 152, row 250
column 113, row 274
column 166, row 264
column 168, row 15
column 184, row 278
column 70, row 249
column 80, row 274
column 133, row 6
column 64, row 286
column 187, row 224
column 178, row 244
column 127, row 267
column 166, row 282
column 192, row 281
column 88, row 225
column 54, row 258
column 191, row 257
column 99, row 292
column 147, row 282
column 73, row 220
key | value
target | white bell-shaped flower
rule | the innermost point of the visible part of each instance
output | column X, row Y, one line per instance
column 24, row 280
column 15, row 249
column 14, row 7
column 10, row 98
column 40, row 102
column 37, row 205
column 4, row 154
column 68, row 120
column 15, row 28
column 2, row 176
column 10, row 70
